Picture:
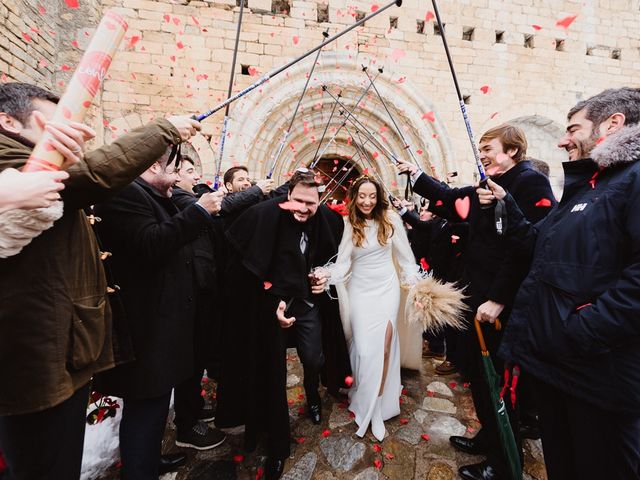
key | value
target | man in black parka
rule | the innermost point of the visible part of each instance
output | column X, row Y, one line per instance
column 575, row 324
column 491, row 275
column 150, row 240
column 277, row 244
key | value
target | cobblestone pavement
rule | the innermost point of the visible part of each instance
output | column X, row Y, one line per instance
column 417, row 446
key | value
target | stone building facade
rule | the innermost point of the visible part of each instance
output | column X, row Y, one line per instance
column 524, row 61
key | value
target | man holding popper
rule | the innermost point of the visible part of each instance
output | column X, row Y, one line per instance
column 55, row 319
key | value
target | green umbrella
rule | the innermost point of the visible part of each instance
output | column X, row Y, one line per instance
column 504, row 426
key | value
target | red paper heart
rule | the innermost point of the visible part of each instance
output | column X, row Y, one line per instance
column 543, row 202
column 462, row 207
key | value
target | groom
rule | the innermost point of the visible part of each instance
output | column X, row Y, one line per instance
column 277, row 243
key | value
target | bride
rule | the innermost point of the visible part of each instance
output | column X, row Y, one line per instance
column 373, row 243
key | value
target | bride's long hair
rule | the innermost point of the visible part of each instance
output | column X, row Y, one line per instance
column 379, row 213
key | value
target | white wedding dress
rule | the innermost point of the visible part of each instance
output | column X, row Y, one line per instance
column 367, row 276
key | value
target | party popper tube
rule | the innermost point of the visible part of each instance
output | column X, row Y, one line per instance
column 82, row 88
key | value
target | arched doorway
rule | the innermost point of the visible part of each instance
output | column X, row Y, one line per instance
column 337, row 174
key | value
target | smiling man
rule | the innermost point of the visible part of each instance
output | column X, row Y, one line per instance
column 491, row 274
column 575, row 325
column 277, row 244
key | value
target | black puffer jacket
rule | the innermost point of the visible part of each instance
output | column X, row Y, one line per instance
column 576, row 319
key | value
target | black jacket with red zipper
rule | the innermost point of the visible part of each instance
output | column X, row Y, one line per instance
column 575, row 323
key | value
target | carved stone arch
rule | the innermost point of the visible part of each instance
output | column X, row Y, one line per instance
column 260, row 118
column 542, row 138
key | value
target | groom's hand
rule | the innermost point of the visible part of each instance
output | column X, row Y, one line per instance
column 282, row 320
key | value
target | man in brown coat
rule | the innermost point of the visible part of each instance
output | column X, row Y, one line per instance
column 55, row 320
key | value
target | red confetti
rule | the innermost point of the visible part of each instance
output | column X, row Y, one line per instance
column 600, row 140
column 485, row 89
column 72, row 3
column 166, row 18
column 172, row 58
column 389, row 456
column 425, row 437
column 74, row 44
column 462, row 206
column 365, row 171
column 65, row 68
column 397, row 54
column 259, row 473
column 454, row 239
column 429, row 116
column 466, row 384
column 291, row 206
column 301, row 396
column 374, row 8
column 43, row 63
column 377, row 448
column 404, row 421
column 26, row 36
column 238, row 458
column 300, row 439
column 439, row 203
column 566, row 21
column 253, row 71
column 377, row 464
column 453, row 385
column 290, row 402
column 267, row 285
column 348, row 381
column 424, row 264
column 132, row 42
column 543, row 202
column 203, row 393
column 180, row 45
column 41, row 9
column 176, row 21
column 430, row 16
column 536, row 27
column 326, row 433
column 296, row 39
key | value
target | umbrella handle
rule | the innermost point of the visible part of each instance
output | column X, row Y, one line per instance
column 483, row 345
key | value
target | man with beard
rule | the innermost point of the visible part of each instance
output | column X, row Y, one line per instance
column 56, row 326
column 277, row 244
column 152, row 245
column 575, row 322
column 491, row 274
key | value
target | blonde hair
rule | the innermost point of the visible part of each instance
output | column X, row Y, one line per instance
column 379, row 213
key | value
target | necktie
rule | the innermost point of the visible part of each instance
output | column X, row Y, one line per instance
column 303, row 242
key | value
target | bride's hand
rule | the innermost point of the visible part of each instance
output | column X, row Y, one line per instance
column 318, row 279
column 282, row 320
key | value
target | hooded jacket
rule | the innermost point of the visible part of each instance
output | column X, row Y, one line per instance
column 576, row 318
column 55, row 320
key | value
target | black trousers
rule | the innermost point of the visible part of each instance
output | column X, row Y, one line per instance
column 187, row 401
column 582, row 441
column 46, row 445
column 141, row 431
column 306, row 335
column 271, row 414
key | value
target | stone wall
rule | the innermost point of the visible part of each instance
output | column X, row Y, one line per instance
column 515, row 61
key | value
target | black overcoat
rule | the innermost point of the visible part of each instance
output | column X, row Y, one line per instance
column 150, row 240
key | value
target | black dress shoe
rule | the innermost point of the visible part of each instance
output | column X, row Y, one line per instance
column 273, row 468
column 478, row 471
column 467, row 445
column 315, row 412
column 171, row 462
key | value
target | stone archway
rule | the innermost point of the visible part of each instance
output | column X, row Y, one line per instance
column 260, row 119
column 542, row 137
